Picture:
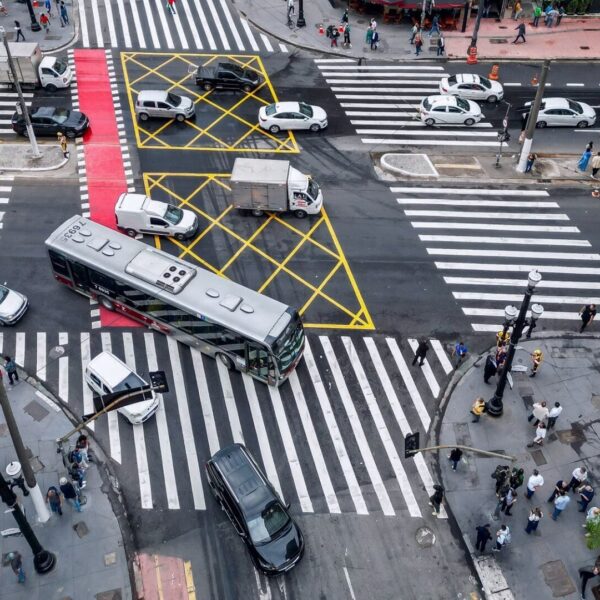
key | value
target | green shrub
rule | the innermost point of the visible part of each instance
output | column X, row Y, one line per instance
column 593, row 528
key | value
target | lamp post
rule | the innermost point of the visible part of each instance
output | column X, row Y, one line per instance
column 510, row 314
column 35, row 26
column 537, row 310
column 495, row 406
column 300, row 21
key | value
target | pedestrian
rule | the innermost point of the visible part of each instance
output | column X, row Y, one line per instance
column 554, row 414
column 537, row 357
column 454, row 457
column 490, row 369
column 441, row 45
column 64, row 16
column 369, row 36
column 45, row 22
column 48, row 7
column 582, row 165
column 18, row 32
column 501, row 475
column 550, row 16
column 421, row 352
column 77, row 473
column 508, row 501
column 335, row 34
column 540, row 434
column 459, row 353
column 560, row 15
column 54, row 500
column 373, row 24
column 540, row 413
column 518, row 10
column 436, row 499
column 483, row 535
column 595, row 165
column 435, row 25
column 586, row 493
column 345, row 16
column 578, row 477
column 291, row 8
column 516, row 478
column 521, row 33
column 83, row 446
column 537, row 13
column 587, row 573
column 11, row 369
column 171, row 6
column 500, row 358
column 347, row 43
column 530, row 160
column 502, row 338
column 418, row 44
column 375, row 41
column 535, row 514
column 70, row 493
column 62, row 140
column 559, row 486
column 503, row 538
column 16, row 564
column 535, row 482
column 587, row 314
column 560, row 503
column 477, row 409
column 414, row 32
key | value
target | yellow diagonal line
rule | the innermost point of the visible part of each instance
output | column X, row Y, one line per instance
column 312, row 241
column 320, row 288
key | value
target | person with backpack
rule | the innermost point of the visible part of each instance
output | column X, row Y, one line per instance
column 503, row 538
column 436, row 499
column 11, row 369
column 83, row 447
column 70, row 493
column 418, row 44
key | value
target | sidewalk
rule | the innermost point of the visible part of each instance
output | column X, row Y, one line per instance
column 91, row 558
column 544, row 564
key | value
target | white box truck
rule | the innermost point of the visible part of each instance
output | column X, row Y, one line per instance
column 260, row 185
column 33, row 68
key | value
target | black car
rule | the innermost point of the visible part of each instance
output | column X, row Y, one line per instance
column 50, row 120
column 256, row 511
column 227, row 76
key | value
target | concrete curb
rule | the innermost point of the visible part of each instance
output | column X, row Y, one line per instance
column 384, row 163
column 35, row 169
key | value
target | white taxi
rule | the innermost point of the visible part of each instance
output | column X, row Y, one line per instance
column 449, row 110
column 291, row 115
column 472, row 87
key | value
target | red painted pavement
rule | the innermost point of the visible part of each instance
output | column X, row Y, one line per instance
column 103, row 159
column 162, row 577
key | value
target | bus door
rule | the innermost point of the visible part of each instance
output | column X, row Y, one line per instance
column 259, row 362
column 80, row 277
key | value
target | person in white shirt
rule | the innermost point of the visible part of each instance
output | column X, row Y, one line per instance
column 502, row 537
column 539, row 413
column 290, row 8
column 540, row 434
column 578, row 476
column 534, row 482
column 554, row 414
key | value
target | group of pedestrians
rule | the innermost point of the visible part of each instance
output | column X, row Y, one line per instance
column 416, row 37
column 587, row 157
column 44, row 18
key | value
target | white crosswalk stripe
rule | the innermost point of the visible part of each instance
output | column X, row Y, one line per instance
column 503, row 260
column 392, row 94
column 8, row 103
column 148, row 24
column 324, row 448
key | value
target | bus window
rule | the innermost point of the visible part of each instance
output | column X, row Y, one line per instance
column 258, row 362
column 59, row 264
column 80, row 275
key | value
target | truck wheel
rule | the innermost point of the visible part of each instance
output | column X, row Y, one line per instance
column 257, row 212
column 143, row 116
column 274, row 129
column 300, row 214
column 247, row 88
column 131, row 232
column 315, row 127
column 180, row 118
column 208, row 86
column 106, row 303
column 51, row 87
column 227, row 362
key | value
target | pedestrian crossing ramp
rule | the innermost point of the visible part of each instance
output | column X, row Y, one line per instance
column 8, row 105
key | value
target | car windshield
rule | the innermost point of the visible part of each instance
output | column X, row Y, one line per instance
column 426, row 103
column 131, row 382
column 265, row 526
column 461, row 103
column 452, row 79
column 174, row 215
column 575, row 106
column 3, row 293
column 271, row 109
column 173, row 99
column 289, row 343
column 60, row 115
column 60, row 66
column 306, row 109
column 485, row 82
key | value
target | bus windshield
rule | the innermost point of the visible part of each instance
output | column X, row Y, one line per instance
column 289, row 344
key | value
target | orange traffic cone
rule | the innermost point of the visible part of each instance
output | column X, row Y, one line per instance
column 321, row 29
column 472, row 56
column 535, row 80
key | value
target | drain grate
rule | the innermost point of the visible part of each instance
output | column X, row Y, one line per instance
column 498, row 41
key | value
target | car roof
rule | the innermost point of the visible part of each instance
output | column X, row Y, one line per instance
column 556, row 103
column 285, row 106
column 110, row 368
column 44, row 111
column 152, row 95
column 467, row 78
column 445, row 99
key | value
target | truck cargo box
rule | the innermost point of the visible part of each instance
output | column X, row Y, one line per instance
column 260, row 184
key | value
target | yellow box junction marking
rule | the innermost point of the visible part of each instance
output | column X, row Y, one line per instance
column 217, row 217
column 174, row 72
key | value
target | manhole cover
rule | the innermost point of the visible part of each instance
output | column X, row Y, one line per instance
column 584, row 47
column 557, row 579
column 498, row 41
column 56, row 352
column 571, row 436
column 36, row 411
column 538, row 458
column 109, row 595
column 425, row 537
column 81, row 529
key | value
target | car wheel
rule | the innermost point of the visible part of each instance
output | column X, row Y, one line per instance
column 179, row 237
column 226, row 361
column 274, row 129
column 300, row 213
column 315, row 127
column 256, row 212
column 180, row 118
column 2, row 323
column 106, row 303
column 247, row 88
column 469, row 122
column 541, row 124
column 26, row 132
column 492, row 99
column 429, row 122
column 144, row 116
column 208, row 86
column 51, row 87
column 582, row 124
column 131, row 232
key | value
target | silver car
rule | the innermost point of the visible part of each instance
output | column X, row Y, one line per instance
column 13, row 306
column 164, row 105
column 562, row 112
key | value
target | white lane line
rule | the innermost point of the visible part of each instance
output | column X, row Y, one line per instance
column 412, row 123
column 486, row 215
column 503, row 240
column 217, row 21
column 85, row 36
column 402, row 107
column 111, row 24
column 290, row 450
column 334, row 432
column 391, row 142
column 414, row 78
column 492, row 312
column 384, row 434
column 139, row 437
column 466, row 191
column 192, row 24
column 426, row 369
column 251, row 37
column 372, row 92
column 139, row 30
column 362, row 68
column 182, row 38
column 575, row 84
column 511, row 84
column 161, row 11
column 185, row 422
column 518, row 268
column 357, row 429
column 409, row 382
column 63, row 369
column 88, row 402
column 207, row 411
column 486, row 327
column 333, row 60
column 164, row 438
column 381, row 113
column 205, row 25
column 442, row 356
column 514, row 254
column 266, row 42
column 261, row 433
column 426, row 133
column 515, row 298
column 377, row 82
column 504, row 203
column 545, row 283
column 123, row 19
column 313, row 445
column 234, row 31
column 349, row 583
column 400, row 416
column 40, row 367
column 113, row 416
column 232, row 412
column 151, row 24
column 283, row 48
column 494, row 226
column 365, row 96
column 97, row 23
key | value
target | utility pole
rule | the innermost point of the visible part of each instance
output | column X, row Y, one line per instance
column 300, row 21
column 21, row 106
column 477, row 24
column 36, row 495
column 532, row 121
column 35, row 26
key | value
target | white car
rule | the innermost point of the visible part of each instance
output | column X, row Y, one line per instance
column 562, row 112
column 106, row 374
column 13, row 306
column 291, row 115
column 449, row 110
column 472, row 87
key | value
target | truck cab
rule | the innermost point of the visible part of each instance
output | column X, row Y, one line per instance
column 54, row 73
column 304, row 193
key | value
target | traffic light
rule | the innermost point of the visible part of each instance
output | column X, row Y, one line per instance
column 411, row 444
column 158, row 380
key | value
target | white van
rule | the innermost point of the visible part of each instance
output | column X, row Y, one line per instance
column 136, row 213
column 106, row 374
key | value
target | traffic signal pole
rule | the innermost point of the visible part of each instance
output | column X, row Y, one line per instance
column 476, row 450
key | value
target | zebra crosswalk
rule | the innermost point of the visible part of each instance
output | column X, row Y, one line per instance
column 330, row 439
column 492, row 238
column 148, row 24
column 8, row 103
column 382, row 102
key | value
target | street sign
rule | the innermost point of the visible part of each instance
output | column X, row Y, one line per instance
column 411, row 444
column 505, row 123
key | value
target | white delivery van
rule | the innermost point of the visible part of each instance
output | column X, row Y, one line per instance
column 137, row 213
column 260, row 185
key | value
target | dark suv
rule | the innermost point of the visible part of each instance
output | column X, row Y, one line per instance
column 259, row 516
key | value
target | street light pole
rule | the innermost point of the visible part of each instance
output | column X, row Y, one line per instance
column 300, row 21
column 35, row 26
column 495, row 406
column 477, row 23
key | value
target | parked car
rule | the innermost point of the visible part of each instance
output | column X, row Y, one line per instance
column 451, row 110
column 562, row 112
column 50, row 120
column 472, row 87
column 291, row 115
column 227, row 76
column 13, row 305
column 163, row 105
column 106, row 374
column 255, row 509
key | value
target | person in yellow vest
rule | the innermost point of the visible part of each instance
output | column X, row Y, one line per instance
column 502, row 338
column 537, row 357
column 477, row 409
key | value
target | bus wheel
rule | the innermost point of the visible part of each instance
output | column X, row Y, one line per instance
column 106, row 303
column 227, row 362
